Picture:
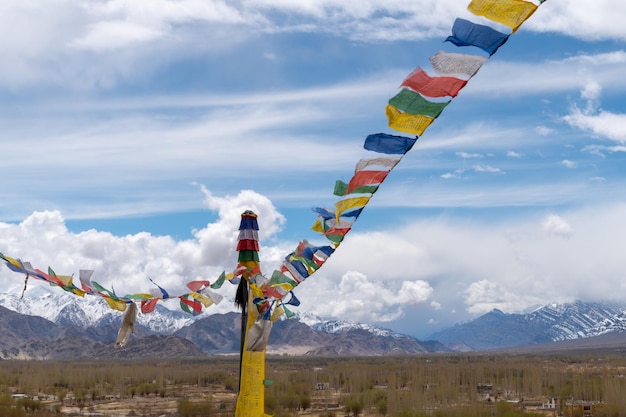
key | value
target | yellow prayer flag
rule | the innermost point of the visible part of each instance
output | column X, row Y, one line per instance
column 249, row 264
column 511, row 13
column 65, row 279
column 206, row 301
column 14, row 262
column 317, row 227
column 349, row 203
column 115, row 304
column 278, row 311
column 258, row 292
column 78, row 292
column 408, row 123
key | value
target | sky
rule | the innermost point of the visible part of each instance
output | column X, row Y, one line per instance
column 136, row 132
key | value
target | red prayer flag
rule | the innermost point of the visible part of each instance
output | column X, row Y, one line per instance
column 247, row 244
column 147, row 306
column 366, row 178
column 196, row 286
column 429, row 86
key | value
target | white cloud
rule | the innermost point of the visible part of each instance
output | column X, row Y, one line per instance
column 544, row 130
column 513, row 154
column 448, row 176
column 468, row 155
column 557, row 226
column 569, row 164
column 358, row 298
column 82, row 44
column 604, row 124
column 114, row 35
column 126, row 262
column 483, row 296
column 488, row 169
column 586, row 19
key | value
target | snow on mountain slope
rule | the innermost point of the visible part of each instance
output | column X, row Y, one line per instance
column 65, row 308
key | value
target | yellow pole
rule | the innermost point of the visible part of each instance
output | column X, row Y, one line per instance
column 251, row 397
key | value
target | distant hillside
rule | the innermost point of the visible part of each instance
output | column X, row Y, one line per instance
column 554, row 322
column 75, row 329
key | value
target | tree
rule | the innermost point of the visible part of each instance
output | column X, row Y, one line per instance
column 354, row 406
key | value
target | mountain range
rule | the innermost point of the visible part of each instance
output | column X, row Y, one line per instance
column 49, row 324
column 549, row 323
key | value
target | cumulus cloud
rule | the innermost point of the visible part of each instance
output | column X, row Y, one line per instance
column 483, row 296
column 126, row 262
column 557, row 226
column 506, row 263
column 604, row 124
column 569, row 164
column 359, row 298
column 586, row 19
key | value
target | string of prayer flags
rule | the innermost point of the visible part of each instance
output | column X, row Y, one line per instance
column 411, row 111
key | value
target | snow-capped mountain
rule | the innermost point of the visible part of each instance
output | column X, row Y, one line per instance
column 343, row 326
column 549, row 323
column 553, row 322
column 67, row 309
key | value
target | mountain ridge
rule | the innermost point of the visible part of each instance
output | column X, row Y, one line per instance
column 90, row 328
column 549, row 323
column 58, row 317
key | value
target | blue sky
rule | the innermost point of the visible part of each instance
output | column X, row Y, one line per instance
column 135, row 134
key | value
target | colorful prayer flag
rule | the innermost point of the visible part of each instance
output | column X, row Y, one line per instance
column 466, row 33
column 429, row 86
column 511, row 13
column 408, row 123
column 389, row 144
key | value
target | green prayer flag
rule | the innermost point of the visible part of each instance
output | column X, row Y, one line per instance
column 413, row 103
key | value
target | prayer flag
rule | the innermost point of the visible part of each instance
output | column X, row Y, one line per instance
column 407, row 123
column 349, row 203
column 163, row 294
column 413, row 103
column 115, row 304
column 365, row 178
column 148, row 306
column 217, row 284
column 429, row 86
column 293, row 300
column 247, row 244
column 466, row 33
column 84, row 275
column 388, row 163
column 511, row 13
column 128, row 325
column 197, row 285
column 341, row 189
column 389, row 144
column 447, row 63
